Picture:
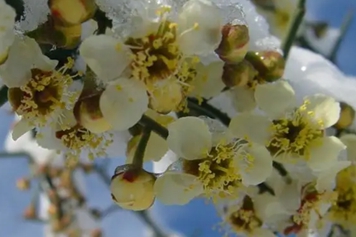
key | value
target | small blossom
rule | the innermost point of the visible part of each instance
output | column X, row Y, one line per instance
column 73, row 139
column 213, row 167
column 132, row 189
column 347, row 116
column 244, row 218
column 294, row 134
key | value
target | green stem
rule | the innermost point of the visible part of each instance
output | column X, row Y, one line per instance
column 3, row 95
column 141, row 148
column 293, row 29
column 208, row 110
column 154, row 126
column 343, row 31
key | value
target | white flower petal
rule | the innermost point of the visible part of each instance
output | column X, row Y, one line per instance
column 7, row 23
column 189, row 137
column 252, row 127
column 350, row 141
column 259, row 168
column 324, row 156
column 208, row 82
column 24, row 55
column 20, row 128
column 200, row 24
column 123, row 103
column 243, row 99
column 46, row 138
column 177, row 188
column 260, row 232
column 105, row 55
column 290, row 196
column 324, row 108
column 326, row 179
column 275, row 98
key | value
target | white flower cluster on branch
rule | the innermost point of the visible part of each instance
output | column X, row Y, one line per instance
column 202, row 81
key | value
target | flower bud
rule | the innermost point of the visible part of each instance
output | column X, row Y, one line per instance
column 23, row 184
column 72, row 12
column 234, row 44
column 347, row 115
column 132, row 189
column 238, row 74
column 30, row 212
column 269, row 64
column 96, row 233
column 67, row 37
column 88, row 114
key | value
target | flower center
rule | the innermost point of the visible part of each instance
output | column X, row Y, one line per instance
column 78, row 138
column 42, row 95
column 245, row 220
column 217, row 172
column 294, row 134
column 155, row 56
column 311, row 202
column 343, row 211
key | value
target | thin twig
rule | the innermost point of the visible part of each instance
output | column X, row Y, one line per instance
column 145, row 216
column 141, row 147
column 343, row 31
column 154, row 126
column 293, row 29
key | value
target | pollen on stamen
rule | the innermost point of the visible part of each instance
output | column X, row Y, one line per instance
column 294, row 133
column 217, row 172
column 78, row 139
column 44, row 96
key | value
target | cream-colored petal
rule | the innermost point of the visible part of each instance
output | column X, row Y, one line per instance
column 325, row 155
column 105, row 55
column 251, row 127
column 326, row 179
column 7, row 23
column 275, row 98
column 46, row 138
column 208, row 82
column 174, row 188
column 350, row 142
column 256, row 166
column 290, row 196
column 324, row 108
column 123, row 103
column 189, row 137
column 260, row 232
column 24, row 55
column 199, row 25
column 20, row 128
column 243, row 99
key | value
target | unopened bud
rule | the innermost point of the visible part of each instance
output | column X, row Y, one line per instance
column 269, row 64
column 238, row 74
column 72, row 12
column 347, row 115
column 234, row 44
column 23, row 184
column 132, row 189
column 67, row 37
column 88, row 114
column 96, row 233
column 30, row 212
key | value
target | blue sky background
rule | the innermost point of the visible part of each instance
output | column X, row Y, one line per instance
column 193, row 220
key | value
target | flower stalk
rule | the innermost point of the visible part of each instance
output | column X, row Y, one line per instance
column 140, row 151
column 294, row 27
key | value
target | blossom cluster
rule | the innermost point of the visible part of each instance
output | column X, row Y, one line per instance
column 276, row 163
